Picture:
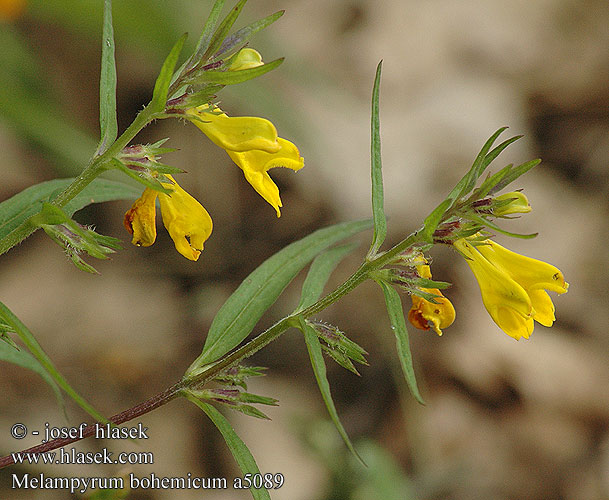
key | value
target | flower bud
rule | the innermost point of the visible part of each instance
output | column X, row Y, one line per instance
column 511, row 203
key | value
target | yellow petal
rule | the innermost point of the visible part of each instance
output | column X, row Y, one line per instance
column 425, row 314
column 246, row 59
column 513, row 323
column 187, row 222
column 239, row 133
column 255, row 164
column 506, row 301
column 543, row 306
column 140, row 219
column 531, row 274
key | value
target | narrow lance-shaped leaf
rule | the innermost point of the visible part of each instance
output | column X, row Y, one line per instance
column 378, row 211
column 107, row 84
column 477, row 167
column 232, row 77
column 241, row 36
column 469, row 179
column 398, row 325
column 203, row 42
column 222, row 32
column 161, row 87
column 240, row 313
column 433, row 219
column 26, row 360
column 495, row 227
column 208, row 29
column 32, row 344
column 237, row 447
column 28, row 202
column 514, row 174
column 320, row 272
column 319, row 369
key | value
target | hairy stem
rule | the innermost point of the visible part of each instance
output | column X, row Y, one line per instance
column 95, row 167
column 199, row 378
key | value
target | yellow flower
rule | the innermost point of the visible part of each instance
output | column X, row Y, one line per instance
column 425, row 314
column 513, row 286
column 246, row 59
column 253, row 144
column 187, row 222
column 518, row 204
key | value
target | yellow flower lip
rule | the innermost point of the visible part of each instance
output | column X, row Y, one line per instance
column 185, row 219
column 513, row 287
column 252, row 143
column 426, row 315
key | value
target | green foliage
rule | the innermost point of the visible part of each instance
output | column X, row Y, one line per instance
column 378, row 212
column 222, row 32
column 320, row 272
column 319, row 369
column 15, row 324
column 14, row 355
column 107, row 84
column 238, row 448
column 28, row 202
column 232, row 77
column 161, row 86
column 240, row 313
column 240, row 38
column 398, row 325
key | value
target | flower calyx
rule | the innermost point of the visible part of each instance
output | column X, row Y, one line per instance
column 75, row 238
column 338, row 346
column 140, row 162
column 234, row 398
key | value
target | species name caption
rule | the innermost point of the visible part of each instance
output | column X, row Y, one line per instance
column 81, row 485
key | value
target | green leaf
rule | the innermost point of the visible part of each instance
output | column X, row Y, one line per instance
column 208, row 29
column 240, row 37
column 378, row 212
column 202, row 44
column 32, row 344
column 319, row 369
column 468, row 181
column 239, row 450
column 107, row 84
column 320, row 272
column 398, row 325
column 232, row 77
column 433, row 219
column 240, row 313
column 222, row 32
column 514, row 174
column 26, row 360
column 490, row 182
column 480, row 163
column 28, row 202
column 161, row 87
column 495, row 227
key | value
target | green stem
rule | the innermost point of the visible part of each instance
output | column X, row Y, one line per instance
column 273, row 333
column 95, row 167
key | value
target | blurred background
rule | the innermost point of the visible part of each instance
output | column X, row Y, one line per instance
column 504, row 419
